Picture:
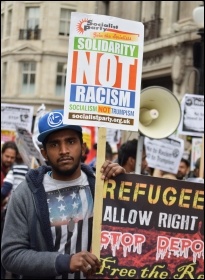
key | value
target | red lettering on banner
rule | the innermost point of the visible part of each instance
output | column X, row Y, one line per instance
column 179, row 247
column 127, row 240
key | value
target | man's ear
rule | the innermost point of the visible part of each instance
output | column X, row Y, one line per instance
column 132, row 163
column 130, row 160
column 44, row 154
column 83, row 148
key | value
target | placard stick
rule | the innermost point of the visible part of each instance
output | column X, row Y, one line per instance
column 33, row 163
column 201, row 169
column 98, row 202
column 139, row 154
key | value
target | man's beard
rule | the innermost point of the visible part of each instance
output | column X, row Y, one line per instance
column 180, row 176
column 65, row 173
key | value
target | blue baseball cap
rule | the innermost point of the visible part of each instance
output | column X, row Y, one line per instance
column 52, row 122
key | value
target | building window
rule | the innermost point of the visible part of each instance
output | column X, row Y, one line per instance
column 65, row 15
column 153, row 26
column 28, row 77
column 31, row 31
column 9, row 21
column 32, row 18
column 60, row 79
column 2, row 25
column 3, row 78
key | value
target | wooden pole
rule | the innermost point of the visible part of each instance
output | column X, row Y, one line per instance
column 33, row 163
column 138, row 164
column 201, row 169
column 98, row 202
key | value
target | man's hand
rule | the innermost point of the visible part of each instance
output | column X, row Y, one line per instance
column 4, row 201
column 111, row 169
column 85, row 262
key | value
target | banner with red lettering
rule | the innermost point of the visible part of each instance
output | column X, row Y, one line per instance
column 152, row 228
column 103, row 82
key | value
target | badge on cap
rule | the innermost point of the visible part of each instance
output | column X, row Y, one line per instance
column 55, row 119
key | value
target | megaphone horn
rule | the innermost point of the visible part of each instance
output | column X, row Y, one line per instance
column 160, row 112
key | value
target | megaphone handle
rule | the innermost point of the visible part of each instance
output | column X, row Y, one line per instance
column 139, row 154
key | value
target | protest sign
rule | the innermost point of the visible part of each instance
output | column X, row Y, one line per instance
column 104, row 72
column 152, row 228
column 192, row 121
column 164, row 154
column 27, row 149
column 15, row 114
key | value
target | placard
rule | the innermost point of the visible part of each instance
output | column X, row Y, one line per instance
column 192, row 121
column 152, row 228
column 103, row 81
column 164, row 154
column 15, row 114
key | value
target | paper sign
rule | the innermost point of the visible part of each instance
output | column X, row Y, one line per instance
column 13, row 114
column 164, row 154
column 104, row 72
column 192, row 121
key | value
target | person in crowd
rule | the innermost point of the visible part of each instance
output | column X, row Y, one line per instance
column 195, row 172
column 8, row 155
column 194, row 176
column 183, row 169
column 108, row 155
column 127, row 157
column 14, row 177
column 48, row 225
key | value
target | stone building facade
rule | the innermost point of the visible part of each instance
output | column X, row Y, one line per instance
column 34, row 40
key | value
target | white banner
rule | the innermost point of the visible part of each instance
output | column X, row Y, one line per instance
column 164, row 154
column 192, row 121
column 13, row 114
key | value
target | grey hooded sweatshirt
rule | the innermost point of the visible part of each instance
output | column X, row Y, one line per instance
column 27, row 243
